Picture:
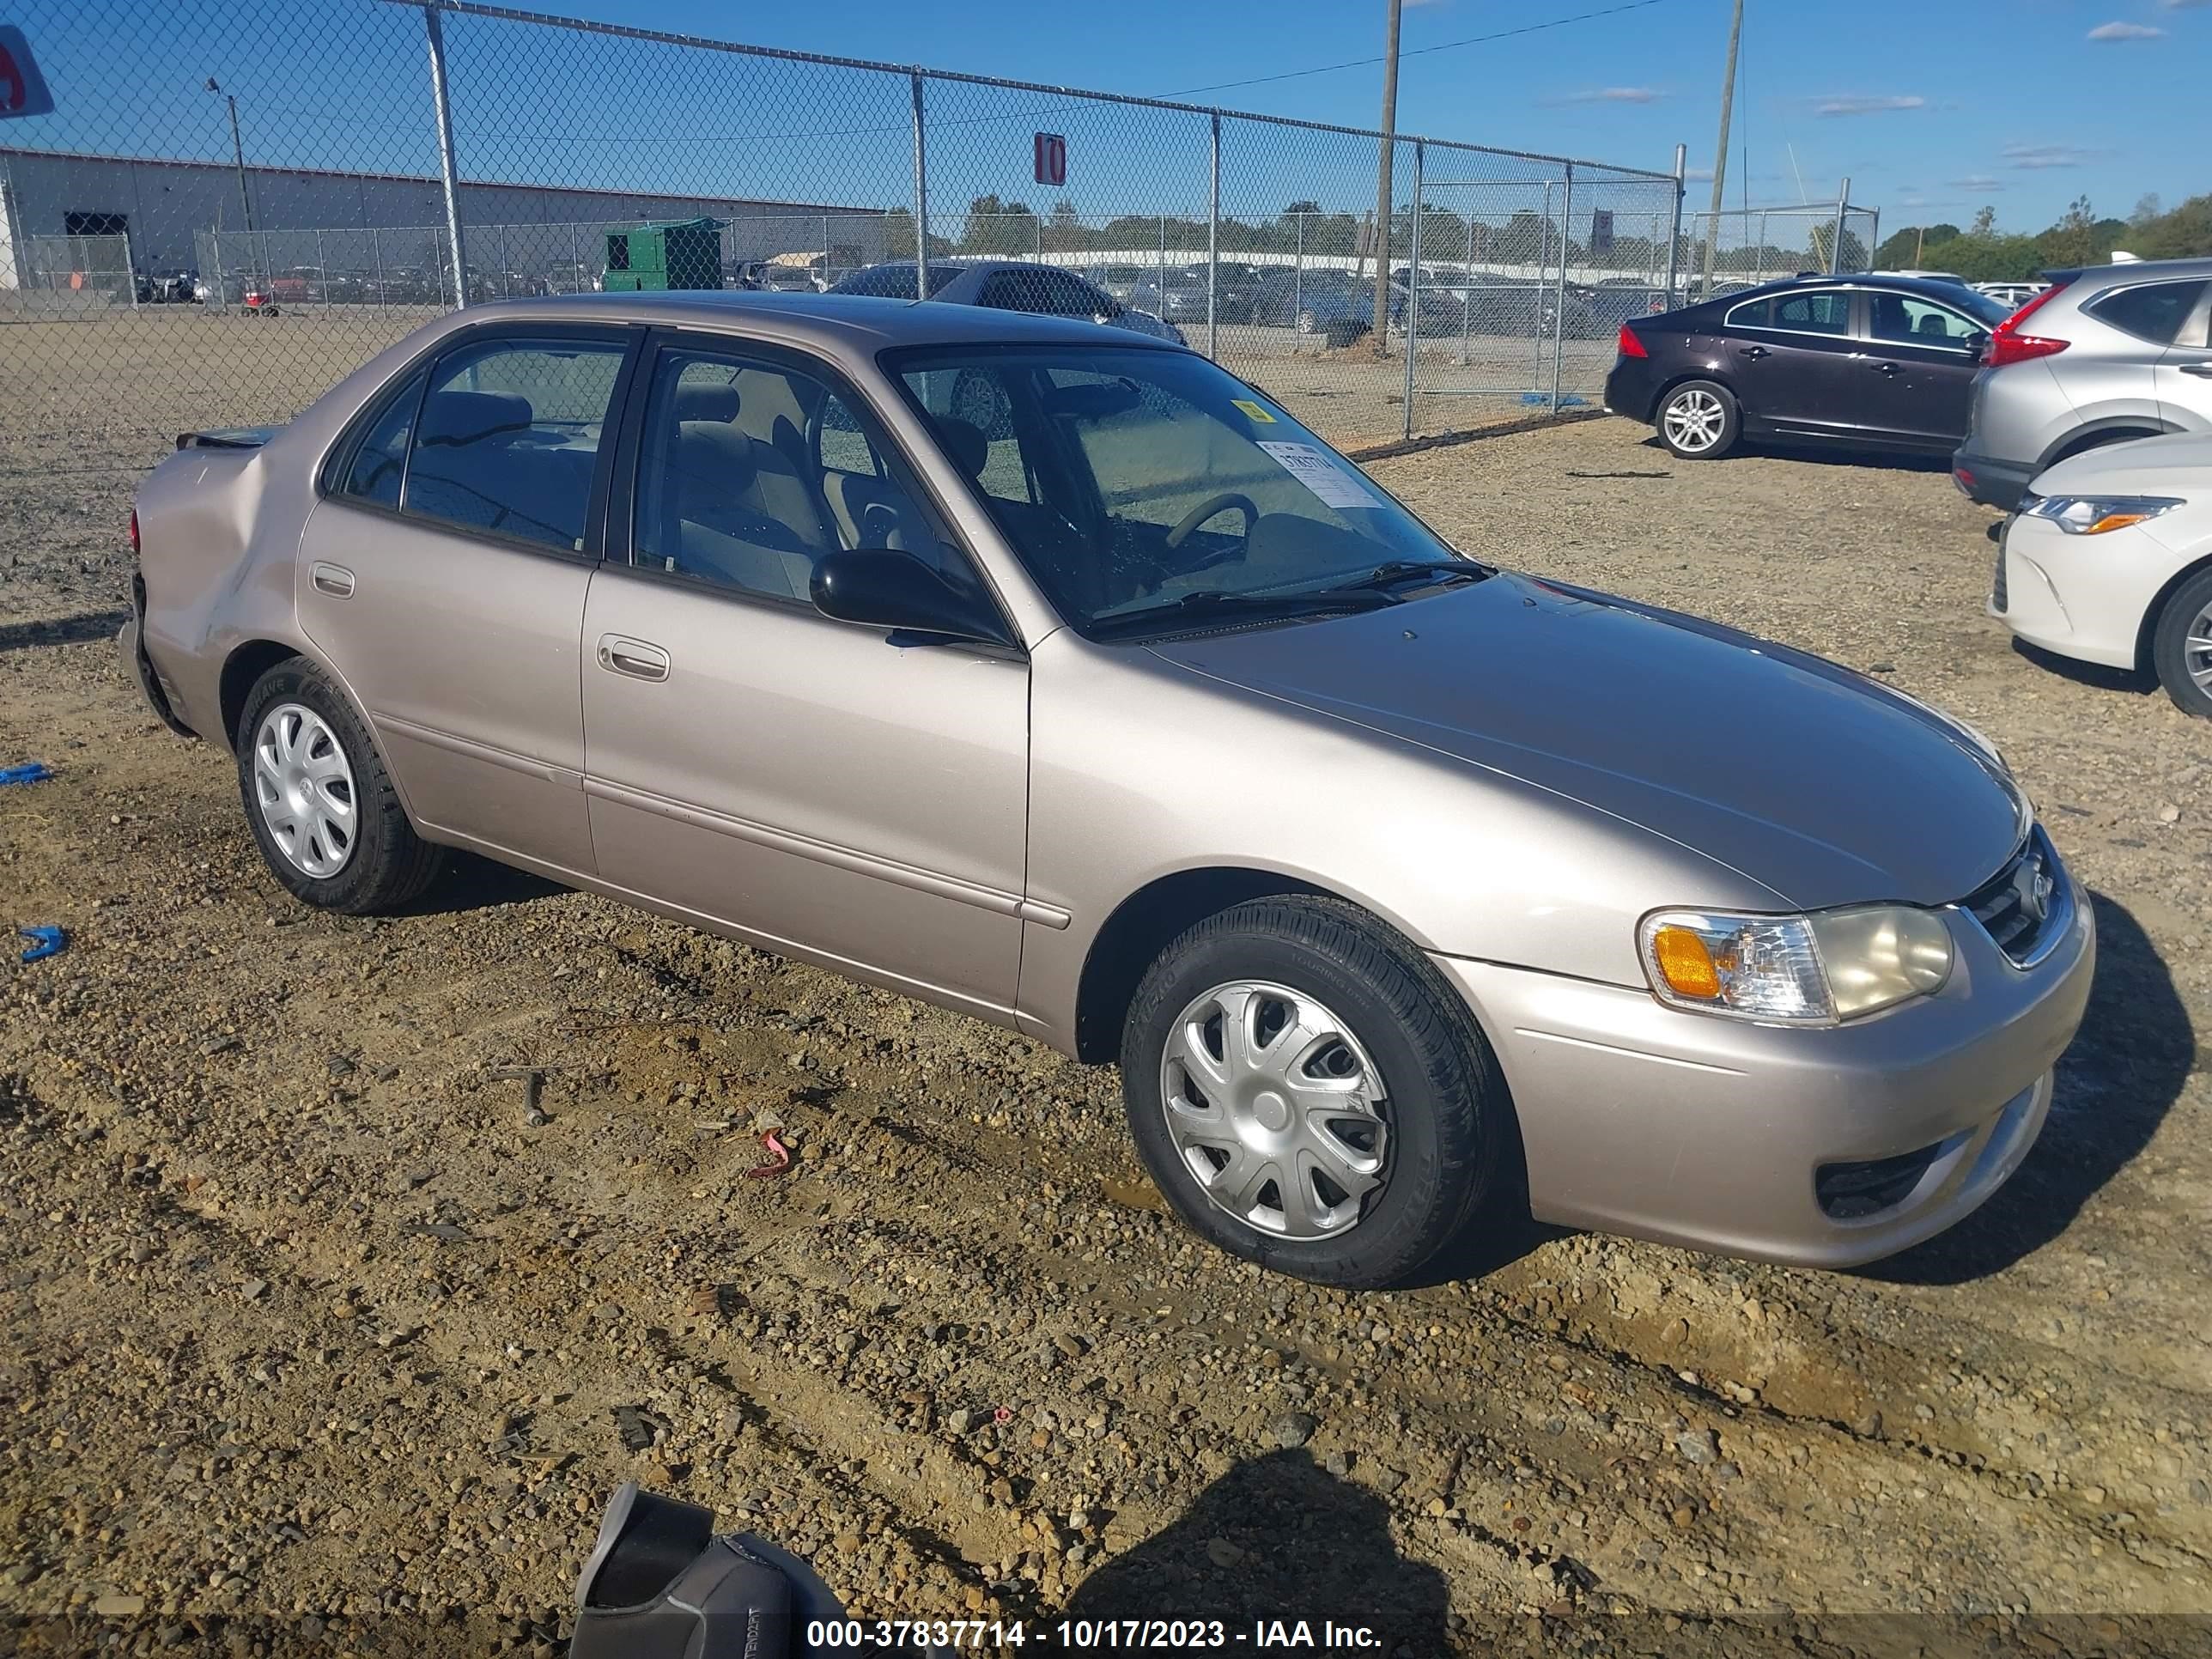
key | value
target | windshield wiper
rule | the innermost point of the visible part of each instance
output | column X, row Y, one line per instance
column 1391, row 572
column 1212, row 601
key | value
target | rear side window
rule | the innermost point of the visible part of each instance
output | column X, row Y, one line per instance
column 1753, row 313
column 509, row 438
column 2154, row 312
column 1825, row 313
column 381, row 462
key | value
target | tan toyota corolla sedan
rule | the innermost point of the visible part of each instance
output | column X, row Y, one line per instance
column 1051, row 673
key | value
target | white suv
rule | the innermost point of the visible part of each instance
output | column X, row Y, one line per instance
column 2105, row 355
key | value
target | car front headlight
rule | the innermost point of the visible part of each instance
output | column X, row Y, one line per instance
column 1816, row 969
column 2095, row 515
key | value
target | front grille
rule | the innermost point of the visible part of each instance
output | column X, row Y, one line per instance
column 1852, row 1192
column 1997, row 585
column 2021, row 904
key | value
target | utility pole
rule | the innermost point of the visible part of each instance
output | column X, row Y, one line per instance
column 1720, row 154
column 1382, row 182
column 237, row 151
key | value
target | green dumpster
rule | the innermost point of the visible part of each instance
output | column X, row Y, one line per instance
column 682, row 253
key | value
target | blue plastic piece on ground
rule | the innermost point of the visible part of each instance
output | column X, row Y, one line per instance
column 46, row 942
column 28, row 772
column 1567, row 400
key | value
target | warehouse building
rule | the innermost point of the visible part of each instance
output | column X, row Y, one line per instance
column 173, row 214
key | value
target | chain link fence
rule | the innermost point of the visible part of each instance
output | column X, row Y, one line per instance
column 1751, row 246
column 215, row 225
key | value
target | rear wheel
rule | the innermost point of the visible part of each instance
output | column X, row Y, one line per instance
column 1309, row 1094
column 1698, row 419
column 320, row 801
column 2181, row 649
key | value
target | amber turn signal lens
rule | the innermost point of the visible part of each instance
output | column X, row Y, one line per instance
column 1684, row 963
column 2115, row 521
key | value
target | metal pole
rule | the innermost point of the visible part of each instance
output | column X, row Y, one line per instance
column 376, row 259
column 1467, row 299
column 1719, row 154
column 1543, row 251
column 1387, row 154
column 323, row 268
column 920, row 196
column 1874, row 238
column 131, row 269
column 1414, row 290
column 1675, row 236
column 1213, row 245
column 1559, row 308
column 1298, row 282
column 221, row 284
column 449, row 169
column 238, row 153
column 1836, row 245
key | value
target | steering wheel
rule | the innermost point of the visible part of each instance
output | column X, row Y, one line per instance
column 1207, row 508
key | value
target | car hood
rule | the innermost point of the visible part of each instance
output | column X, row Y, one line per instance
column 2179, row 463
column 1822, row 785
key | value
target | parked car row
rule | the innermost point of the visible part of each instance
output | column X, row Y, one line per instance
column 967, row 650
column 2084, row 415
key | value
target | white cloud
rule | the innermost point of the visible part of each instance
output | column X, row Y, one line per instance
column 2111, row 31
column 1857, row 104
column 2037, row 158
column 1616, row 95
column 1977, row 181
column 1698, row 175
column 2184, row 5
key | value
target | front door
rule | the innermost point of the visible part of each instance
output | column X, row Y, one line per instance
column 1792, row 358
column 816, row 787
column 443, row 577
column 1920, row 359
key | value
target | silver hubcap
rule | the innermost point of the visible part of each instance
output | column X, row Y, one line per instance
column 1694, row 420
column 1275, row 1110
column 305, row 789
column 2196, row 650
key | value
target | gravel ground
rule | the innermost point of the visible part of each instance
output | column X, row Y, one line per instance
column 319, row 1340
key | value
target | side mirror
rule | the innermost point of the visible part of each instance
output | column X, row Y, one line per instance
column 881, row 588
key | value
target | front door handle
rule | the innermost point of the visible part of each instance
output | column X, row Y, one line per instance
column 619, row 654
column 2202, row 371
column 334, row 579
column 1756, row 352
column 1883, row 369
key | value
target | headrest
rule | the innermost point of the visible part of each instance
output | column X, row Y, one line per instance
column 467, row 418
column 706, row 402
column 965, row 443
column 714, row 452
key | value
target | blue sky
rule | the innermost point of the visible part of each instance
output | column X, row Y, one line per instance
column 1932, row 111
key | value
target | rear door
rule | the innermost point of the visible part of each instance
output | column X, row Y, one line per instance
column 2184, row 374
column 1792, row 361
column 1920, row 363
column 443, row 573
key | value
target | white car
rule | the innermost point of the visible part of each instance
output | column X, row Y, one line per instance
column 2108, row 559
column 2015, row 294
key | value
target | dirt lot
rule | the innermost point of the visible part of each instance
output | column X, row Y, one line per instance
column 315, row 1338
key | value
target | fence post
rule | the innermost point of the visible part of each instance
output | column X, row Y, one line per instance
column 1213, row 247
column 920, row 197
column 1559, row 308
column 1467, row 298
column 448, row 168
column 1835, row 246
column 1414, row 290
column 1298, row 282
column 221, row 282
column 1675, row 236
column 376, row 259
column 1873, row 238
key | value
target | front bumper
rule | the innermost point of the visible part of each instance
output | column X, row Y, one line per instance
column 2084, row 597
column 1722, row 1135
column 1991, row 482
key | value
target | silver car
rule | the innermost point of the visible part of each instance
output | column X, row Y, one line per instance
column 1055, row 675
column 2102, row 355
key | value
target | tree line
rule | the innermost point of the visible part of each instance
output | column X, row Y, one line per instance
column 1982, row 254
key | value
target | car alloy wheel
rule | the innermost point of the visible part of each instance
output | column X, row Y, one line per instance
column 2197, row 651
column 1275, row 1109
column 1694, row 420
column 304, row 786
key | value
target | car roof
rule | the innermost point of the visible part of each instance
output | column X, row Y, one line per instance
column 2134, row 271
column 847, row 322
column 1926, row 288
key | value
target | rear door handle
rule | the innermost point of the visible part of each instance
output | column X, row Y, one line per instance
column 334, row 579
column 1883, row 369
column 1756, row 352
column 619, row 654
column 2202, row 371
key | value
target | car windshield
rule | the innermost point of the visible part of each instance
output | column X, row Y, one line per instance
column 1980, row 306
column 1139, row 487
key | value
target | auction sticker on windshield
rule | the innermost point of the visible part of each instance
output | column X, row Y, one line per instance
column 1317, row 472
column 1252, row 411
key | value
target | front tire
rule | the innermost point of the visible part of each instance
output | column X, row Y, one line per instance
column 1309, row 1094
column 1698, row 419
column 319, row 800
column 2181, row 649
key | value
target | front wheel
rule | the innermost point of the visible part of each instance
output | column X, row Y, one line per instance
column 1310, row 1094
column 321, row 806
column 2181, row 649
column 1699, row 419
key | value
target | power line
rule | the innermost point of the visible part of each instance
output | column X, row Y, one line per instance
column 1419, row 51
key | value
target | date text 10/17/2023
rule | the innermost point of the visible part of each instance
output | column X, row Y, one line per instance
column 1085, row 1634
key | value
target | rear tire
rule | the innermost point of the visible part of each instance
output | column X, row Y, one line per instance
column 1698, row 419
column 1331, row 1008
column 319, row 800
column 2181, row 648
